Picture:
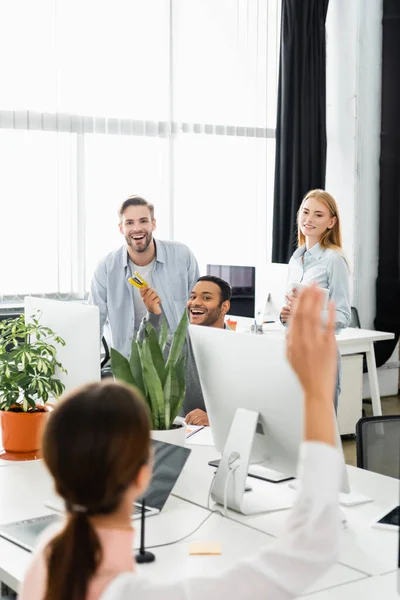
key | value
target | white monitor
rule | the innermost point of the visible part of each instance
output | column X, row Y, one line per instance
column 239, row 370
column 79, row 325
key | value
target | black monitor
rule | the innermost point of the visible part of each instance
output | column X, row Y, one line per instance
column 243, row 282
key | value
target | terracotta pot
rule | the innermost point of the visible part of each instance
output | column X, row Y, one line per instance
column 22, row 432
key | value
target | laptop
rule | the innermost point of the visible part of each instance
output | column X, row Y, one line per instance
column 168, row 463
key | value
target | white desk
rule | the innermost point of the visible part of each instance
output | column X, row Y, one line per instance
column 28, row 485
column 365, row 551
column 237, row 541
column 368, row 549
column 353, row 341
column 371, row 588
column 357, row 341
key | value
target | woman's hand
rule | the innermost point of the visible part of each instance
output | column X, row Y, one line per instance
column 287, row 309
column 312, row 352
column 285, row 314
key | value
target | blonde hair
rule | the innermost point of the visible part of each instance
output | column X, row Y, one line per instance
column 331, row 238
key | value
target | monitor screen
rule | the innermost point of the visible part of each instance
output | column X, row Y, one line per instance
column 168, row 462
column 243, row 282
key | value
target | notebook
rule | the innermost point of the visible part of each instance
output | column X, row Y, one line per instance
column 168, row 463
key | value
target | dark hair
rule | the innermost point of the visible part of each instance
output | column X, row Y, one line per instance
column 135, row 201
column 94, row 445
column 224, row 286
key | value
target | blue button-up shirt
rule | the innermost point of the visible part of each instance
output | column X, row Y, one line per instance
column 174, row 276
column 329, row 269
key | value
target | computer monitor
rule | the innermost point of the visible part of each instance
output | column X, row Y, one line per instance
column 79, row 325
column 243, row 282
column 244, row 371
column 239, row 370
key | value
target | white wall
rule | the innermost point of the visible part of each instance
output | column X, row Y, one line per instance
column 354, row 54
column 354, row 47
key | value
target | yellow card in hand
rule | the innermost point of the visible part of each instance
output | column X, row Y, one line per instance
column 137, row 280
column 205, row 548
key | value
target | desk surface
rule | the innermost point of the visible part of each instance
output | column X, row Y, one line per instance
column 350, row 340
column 177, row 520
column 352, row 334
column 371, row 588
column 348, row 335
column 368, row 549
column 365, row 551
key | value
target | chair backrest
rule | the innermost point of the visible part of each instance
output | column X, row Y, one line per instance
column 355, row 319
column 378, row 444
column 105, row 362
column 106, row 353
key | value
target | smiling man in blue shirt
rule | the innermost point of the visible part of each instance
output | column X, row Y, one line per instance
column 169, row 267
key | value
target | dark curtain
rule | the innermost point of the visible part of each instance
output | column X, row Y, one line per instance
column 388, row 281
column 301, row 120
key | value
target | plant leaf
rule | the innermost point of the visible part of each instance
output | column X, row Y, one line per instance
column 167, row 399
column 135, row 366
column 163, row 334
column 154, row 388
column 179, row 340
column 31, row 402
column 156, row 353
column 179, row 390
column 120, row 368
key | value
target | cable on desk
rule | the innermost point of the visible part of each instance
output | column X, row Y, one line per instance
column 212, row 512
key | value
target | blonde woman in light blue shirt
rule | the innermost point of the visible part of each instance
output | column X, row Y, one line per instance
column 320, row 258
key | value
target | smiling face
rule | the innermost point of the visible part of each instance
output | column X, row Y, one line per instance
column 137, row 227
column 314, row 219
column 205, row 306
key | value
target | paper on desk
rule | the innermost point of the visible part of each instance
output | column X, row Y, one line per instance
column 203, row 437
column 205, row 548
column 192, row 429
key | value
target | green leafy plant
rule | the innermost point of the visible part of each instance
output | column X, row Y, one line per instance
column 160, row 378
column 28, row 363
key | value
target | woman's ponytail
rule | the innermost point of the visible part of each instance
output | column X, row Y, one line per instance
column 73, row 557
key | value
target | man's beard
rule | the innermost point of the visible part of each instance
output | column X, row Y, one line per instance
column 148, row 238
column 212, row 317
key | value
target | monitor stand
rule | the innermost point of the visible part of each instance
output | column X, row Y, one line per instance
column 230, row 480
column 259, row 471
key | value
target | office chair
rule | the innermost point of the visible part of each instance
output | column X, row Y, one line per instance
column 378, row 444
column 105, row 367
column 355, row 319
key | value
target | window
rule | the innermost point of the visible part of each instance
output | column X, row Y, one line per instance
column 174, row 100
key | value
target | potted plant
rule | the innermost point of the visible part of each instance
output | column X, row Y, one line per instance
column 160, row 377
column 28, row 363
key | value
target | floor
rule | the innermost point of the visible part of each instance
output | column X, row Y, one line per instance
column 390, row 406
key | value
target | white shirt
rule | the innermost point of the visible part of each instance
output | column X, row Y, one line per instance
column 140, row 309
column 329, row 269
column 286, row 567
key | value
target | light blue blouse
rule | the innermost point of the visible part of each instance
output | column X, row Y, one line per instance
column 329, row 269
